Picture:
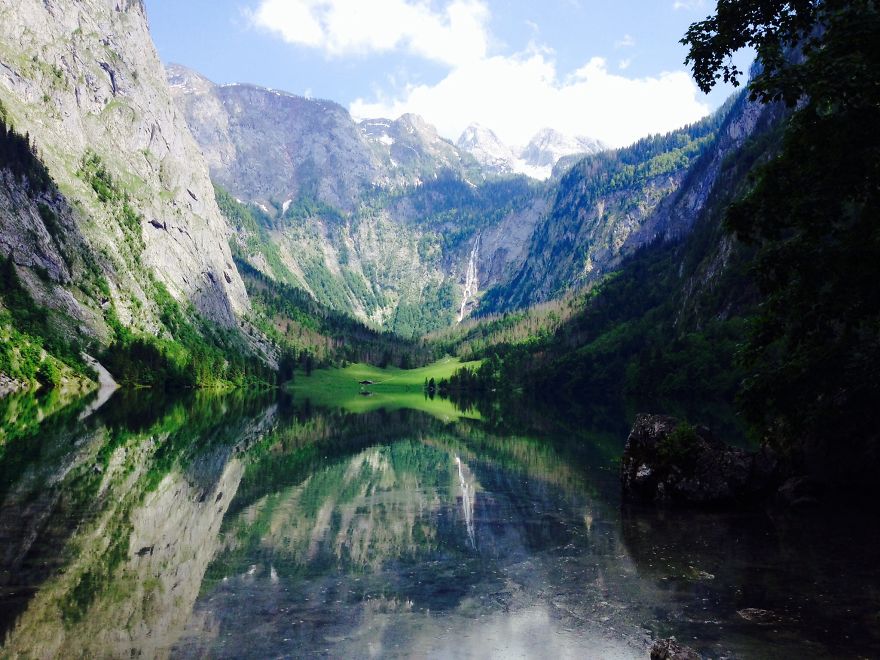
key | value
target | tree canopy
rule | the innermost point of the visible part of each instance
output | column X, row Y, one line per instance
column 813, row 213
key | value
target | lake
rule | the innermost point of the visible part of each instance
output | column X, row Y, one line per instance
column 266, row 526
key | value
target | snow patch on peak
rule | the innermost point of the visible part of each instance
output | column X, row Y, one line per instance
column 487, row 149
column 548, row 146
column 536, row 160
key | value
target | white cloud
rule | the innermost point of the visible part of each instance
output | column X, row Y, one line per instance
column 627, row 42
column 514, row 95
column 517, row 96
column 688, row 4
column 455, row 35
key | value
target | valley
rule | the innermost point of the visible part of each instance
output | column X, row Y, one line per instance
column 277, row 379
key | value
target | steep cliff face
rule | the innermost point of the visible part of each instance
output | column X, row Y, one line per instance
column 134, row 200
column 676, row 215
column 273, row 148
column 376, row 218
column 607, row 206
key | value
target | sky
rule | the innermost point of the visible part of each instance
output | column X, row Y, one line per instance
column 611, row 70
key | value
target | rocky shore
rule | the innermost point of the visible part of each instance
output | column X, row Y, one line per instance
column 10, row 385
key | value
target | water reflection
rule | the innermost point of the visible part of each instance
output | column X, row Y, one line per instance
column 254, row 527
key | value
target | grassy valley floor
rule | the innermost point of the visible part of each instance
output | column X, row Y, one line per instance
column 391, row 388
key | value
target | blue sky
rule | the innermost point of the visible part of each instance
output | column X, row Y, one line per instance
column 612, row 70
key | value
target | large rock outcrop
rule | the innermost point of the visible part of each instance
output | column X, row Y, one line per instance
column 666, row 461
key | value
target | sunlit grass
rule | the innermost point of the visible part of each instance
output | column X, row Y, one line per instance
column 392, row 388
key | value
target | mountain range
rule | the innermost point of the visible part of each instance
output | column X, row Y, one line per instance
column 166, row 187
column 387, row 220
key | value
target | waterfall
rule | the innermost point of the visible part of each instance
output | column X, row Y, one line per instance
column 471, row 283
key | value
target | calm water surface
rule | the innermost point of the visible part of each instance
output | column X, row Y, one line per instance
column 229, row 528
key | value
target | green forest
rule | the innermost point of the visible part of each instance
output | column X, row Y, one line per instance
column 790, row 329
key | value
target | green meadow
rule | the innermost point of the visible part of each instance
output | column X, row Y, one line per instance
column 392, row 388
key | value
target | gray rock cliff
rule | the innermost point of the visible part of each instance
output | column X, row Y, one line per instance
column 83, row 77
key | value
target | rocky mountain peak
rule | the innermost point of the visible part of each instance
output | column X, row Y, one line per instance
column 537, row 159
column 487, row 148
column 183, row 78
column 549, row 145
column 414, row 123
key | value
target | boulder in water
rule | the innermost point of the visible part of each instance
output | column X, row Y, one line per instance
column 673, row 462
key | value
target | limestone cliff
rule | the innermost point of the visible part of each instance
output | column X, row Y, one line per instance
column 84, row 81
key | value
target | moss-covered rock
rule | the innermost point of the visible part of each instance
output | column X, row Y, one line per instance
column 673, row 462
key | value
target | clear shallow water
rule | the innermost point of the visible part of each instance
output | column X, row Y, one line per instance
column 228, row 527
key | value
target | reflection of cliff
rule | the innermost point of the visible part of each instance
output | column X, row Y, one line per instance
column 446, row 541
column 363, row 510
column 319, row 492
column 147, row 508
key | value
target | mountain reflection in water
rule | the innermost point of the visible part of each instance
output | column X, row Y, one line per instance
column 254, row 527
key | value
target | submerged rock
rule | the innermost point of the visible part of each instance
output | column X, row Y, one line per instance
column 669, row 649
column 759, row 616
column 672, row 462
column 799, row 492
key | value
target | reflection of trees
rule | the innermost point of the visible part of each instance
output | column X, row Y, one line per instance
column 132, row 504
column 329, row 490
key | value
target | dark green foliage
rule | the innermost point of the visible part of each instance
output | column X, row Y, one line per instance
column 435, row 310
column 312, row 332
column 31, row 328
column 196, row 353
column 242, row 217
column 813, row 216
column 326, row 286
column 771, row 27
column 679, row 447
column 19, row 156
column 304, row 209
